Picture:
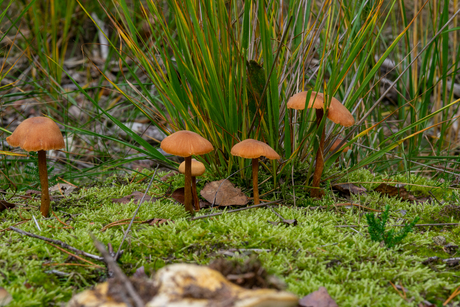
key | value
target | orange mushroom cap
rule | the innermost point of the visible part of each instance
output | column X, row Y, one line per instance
column 185, row 144
column 336, row 112
column 37, row 133
column 253, row 149
column 198, row 168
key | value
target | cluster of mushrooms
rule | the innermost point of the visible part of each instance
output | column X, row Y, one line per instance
column 41, row 134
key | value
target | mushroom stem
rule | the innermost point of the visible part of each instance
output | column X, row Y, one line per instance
column 316, row 192
column 255, row 183
column 43, row 172
column 188, row 183
column 195, row 194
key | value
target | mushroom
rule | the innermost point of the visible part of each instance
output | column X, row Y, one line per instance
column 39, row 134
column 198, row 169
column 185, row 144
column 253, row 149
column 336, row 112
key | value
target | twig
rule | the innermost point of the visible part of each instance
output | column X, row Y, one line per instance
column 416, row 225
column 36, row 223
column 135, row 213
column 61, row 221
column 60, row 243
column 435, row 198
column 8, row 228
column 119, row 273
column 454, row 294
column 236, row 210
column 73, row 255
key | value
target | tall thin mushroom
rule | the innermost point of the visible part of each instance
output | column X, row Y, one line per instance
column 253, row 149
column 198, row 169
column 39, row 134
column 185, row 144
column 336, row 112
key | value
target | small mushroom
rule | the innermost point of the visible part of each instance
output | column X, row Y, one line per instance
column 39, row 134
column 198, row 169
column 253, row 149
column 185, row 144
column 336, row 112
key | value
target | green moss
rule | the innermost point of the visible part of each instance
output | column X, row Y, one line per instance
column 355, row 270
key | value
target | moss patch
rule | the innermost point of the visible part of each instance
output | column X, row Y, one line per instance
column 355, row 270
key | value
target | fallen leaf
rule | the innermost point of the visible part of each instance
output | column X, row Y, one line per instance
column 319, row 298
column 227, row 194
column 179, row 196
column 6, row 205
column 450, row 248
column 63, row 188
column 157, row 221
column 347, row 189
column 136, row 196
column 397, row 191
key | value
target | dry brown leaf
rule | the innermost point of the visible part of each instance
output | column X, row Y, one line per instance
column 178, row 195
column 349, row 188
column 6, row 205
column 395, row 191
column 319, row 298
column 227, row 194
column 136, row 196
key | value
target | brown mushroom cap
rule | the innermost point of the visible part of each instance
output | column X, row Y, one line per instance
column 339, row 114
column 186, row 143
column 298, row 101
column 337, row 111
column 252, row 149
column 198, row 168
column 37, row 133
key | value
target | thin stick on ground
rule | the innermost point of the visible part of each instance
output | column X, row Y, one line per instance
column 112, row 265
column 57, row 242
column 73, row 255
column 235, row 210
column 401, row 225
column 135, row 213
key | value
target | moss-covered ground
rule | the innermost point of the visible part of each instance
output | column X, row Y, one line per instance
column 355, row 270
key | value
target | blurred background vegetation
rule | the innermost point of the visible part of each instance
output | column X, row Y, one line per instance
column 118, row 76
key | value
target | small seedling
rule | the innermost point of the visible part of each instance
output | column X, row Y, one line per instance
column 390, row 237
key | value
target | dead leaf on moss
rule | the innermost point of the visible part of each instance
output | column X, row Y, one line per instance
column 6, row 205
column 179, row 196
column 227, row 194
column 63, row 188
column 136, row 196
column 319, row 298
column 157, row 221
column 395, row 191
column 347, row 189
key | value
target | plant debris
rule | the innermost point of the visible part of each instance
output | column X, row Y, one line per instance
column 319, row 298
column 399, row 191
column 135, row 196
column 223, row 193
column 6, row 205
column 5, row 297
column 250, row 274
column 157, row 221
column 179, row 196
column 346, row 189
